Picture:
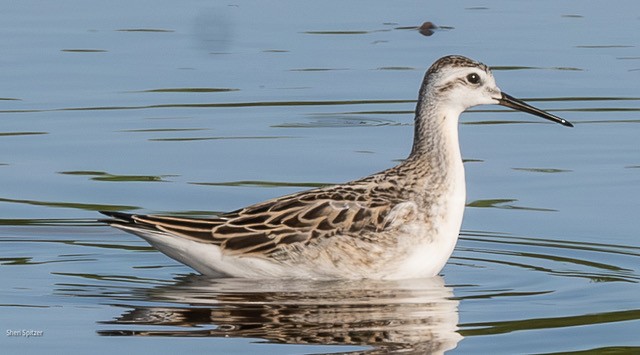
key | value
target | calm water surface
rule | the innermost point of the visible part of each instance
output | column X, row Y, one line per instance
column 198, row 107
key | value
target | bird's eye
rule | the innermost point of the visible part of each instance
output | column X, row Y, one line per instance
column 473, row 78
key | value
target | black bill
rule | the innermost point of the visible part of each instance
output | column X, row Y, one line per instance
column 512, row 102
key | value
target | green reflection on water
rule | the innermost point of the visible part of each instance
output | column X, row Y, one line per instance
column 618, row 350
column 153, row 130
column 109, row 246
column 234, row 104
column 5, row 134
column 336, row 120
column 516, row 67
column 103, row 176
column 119, row 278
column 337, row 32
column 503, row 327
column 40, row 241
column 46, row 222
column 76, row 205
column 600, row 109
column 80, row 50
column 257, row 183
column 605, row 46
column 505, row 204
column 395, row 68
column 543, row 170
column 183, row 139
column 144, row 30
column 379, row 112
column 318, row 69
column 190, row 90
column 29, row 261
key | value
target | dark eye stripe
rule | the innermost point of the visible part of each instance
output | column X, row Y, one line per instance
column 450, row 85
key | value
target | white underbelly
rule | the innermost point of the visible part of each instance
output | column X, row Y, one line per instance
column 430, row 245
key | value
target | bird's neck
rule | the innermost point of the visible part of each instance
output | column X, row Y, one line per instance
column 436, row 161
column 436, row 135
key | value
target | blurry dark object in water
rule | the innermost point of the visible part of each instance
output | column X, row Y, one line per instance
column 427, row 28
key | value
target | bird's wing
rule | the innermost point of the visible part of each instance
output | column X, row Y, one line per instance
column 294, row 219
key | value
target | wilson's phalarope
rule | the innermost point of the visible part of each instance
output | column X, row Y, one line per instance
column 399, row 223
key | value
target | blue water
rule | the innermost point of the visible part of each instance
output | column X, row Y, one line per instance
column 198, row 107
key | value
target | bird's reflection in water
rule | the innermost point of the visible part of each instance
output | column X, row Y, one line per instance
column 412, row 316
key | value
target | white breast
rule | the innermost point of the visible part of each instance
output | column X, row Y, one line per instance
column 429, row 246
